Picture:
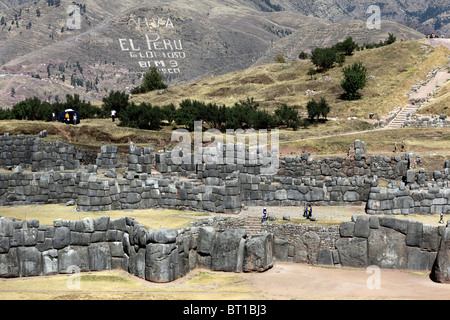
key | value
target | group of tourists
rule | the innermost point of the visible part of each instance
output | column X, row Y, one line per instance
column 307, row 213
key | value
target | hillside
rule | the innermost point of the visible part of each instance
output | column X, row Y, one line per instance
column 40, row 55
column 395, row 68
column 319, row 36
column 424, row 16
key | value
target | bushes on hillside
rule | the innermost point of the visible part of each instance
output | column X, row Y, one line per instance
column 142, row 116
column 325, row 58
column 152, row 80
column 35, row 109
column 355, row 77
column 317, row 109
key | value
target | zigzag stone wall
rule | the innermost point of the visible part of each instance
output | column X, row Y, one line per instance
column 383, row 241
column 30, row 249
column 218, row 187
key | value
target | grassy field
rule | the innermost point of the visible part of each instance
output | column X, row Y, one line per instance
column 151, row 218
column 119, row 285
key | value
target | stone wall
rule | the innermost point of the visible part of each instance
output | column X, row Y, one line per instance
column 17, row 150
column 367, row 240
column 400, row 200
column 30, row 152
column 388, row 242
column 216, row 187
column 107, row 157
column 33, row 188
column 429, row 120
column 54, row 157
column 30, row 249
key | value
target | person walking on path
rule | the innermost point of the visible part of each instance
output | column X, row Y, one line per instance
column 442, row 217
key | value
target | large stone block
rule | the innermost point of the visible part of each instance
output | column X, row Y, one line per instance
column 9, row 264
column 386, row 248
column 441, row 267
column 162, row 236
column 430, row 238
column 206, row 240
column 228, row 251
column 281, row 250
column 352, row 252
column 414, row 234
column 30, row 261
column 306, row 250
column 61, row 238
column 161, row 262
column 72, row 259
column 99, row 256
column 50, row 262
column 325, row 257
column 362, row 227
column 417, row 259
column 347, row 228
column 258, row 253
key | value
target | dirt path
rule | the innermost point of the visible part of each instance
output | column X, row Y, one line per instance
column 286, row 281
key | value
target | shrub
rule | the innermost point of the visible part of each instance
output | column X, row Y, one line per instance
column 116, row 100
column 152, row 80
column 303, row 56
column 280, row 58
column 317, row 109
column 323, row 58
column 355, row 77
column 287, row 115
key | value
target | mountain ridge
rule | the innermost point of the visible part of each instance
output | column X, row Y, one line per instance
column 49, row 60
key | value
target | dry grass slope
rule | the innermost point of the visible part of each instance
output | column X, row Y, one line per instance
column 396, row 68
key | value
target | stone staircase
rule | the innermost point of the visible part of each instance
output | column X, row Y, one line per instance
column 253, row 224
column 400, row 118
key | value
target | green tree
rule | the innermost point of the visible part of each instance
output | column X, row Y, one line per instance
column 27, row 109
column 188, row 112
column 311, row 72
column 391, row 39
column 323, row 58
column 316, row 109
column 288, row 115
column 355, row 77
column 86, row 109
column 169, row 112
column 347, row 46
column 116, row 100
column 152, row 80
column 302, row 55
column 150, row 118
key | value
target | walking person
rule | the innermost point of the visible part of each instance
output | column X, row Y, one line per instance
column 442, row 217
column 113, row 115
column 264, row 215
column 309, row 211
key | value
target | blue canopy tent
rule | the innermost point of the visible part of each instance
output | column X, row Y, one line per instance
column 73, row 116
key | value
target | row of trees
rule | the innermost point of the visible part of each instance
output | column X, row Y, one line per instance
column 325, row 58
column 35, row 109
column 243, row 114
